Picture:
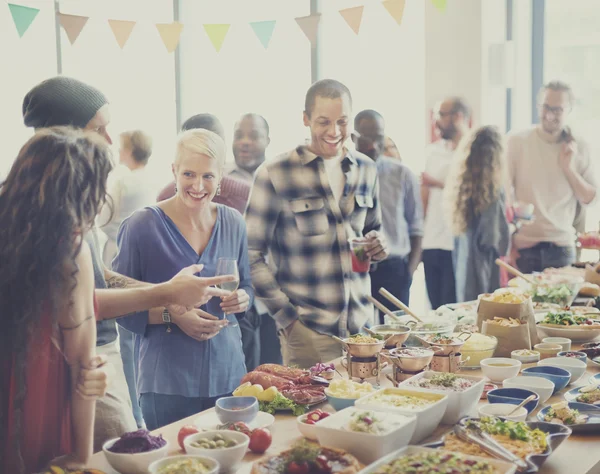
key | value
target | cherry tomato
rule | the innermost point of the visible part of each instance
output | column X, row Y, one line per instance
column 184, row 432
column 325, row 415
column 309, row 421
column 298, row 468
column 260, row 440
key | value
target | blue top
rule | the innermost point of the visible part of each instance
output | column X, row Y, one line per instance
column 152, row 249
column 401, row 206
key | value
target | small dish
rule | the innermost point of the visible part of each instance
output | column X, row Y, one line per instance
column 582, row 356
column 574, row 366
column 308, row 431
column 514, row 396
column 212, row 465
column 559, row 377
column 591, row 425
column 232, row 409
column 563, row 342
column 210, row 422
column 525, row 356
column 228, row 458
column 548, row 349
column 338, row 403
column 132, row 463
column 503, row 409
column 543, row 387
column 497, row 369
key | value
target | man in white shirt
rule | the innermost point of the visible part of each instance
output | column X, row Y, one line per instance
column 250, row 142
column 438, row 241
column 552, row 170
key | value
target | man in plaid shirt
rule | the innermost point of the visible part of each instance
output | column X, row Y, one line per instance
column 304, row 206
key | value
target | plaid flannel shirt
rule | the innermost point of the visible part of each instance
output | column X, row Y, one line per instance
column 293, row 214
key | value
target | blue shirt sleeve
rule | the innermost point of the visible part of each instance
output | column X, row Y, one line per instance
column 127, row 262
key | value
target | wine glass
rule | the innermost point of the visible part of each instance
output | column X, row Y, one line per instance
column 228, row 266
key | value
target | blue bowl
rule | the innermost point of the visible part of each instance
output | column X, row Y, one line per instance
column 513, row 396
column 232, row 409
column 559, row 377
column 340, row 403
column 582, row 356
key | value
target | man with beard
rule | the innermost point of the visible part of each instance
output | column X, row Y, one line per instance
column 552, row 170
column 401, row 209
column 259, row 332
column 438, row 241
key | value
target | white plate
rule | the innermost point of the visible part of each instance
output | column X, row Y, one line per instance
column 210, row 421
column 576, row 335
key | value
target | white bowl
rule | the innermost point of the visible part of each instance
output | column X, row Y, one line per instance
column 502, row 409
column 460, row 404
column 227, row 458
column 574, row 366
column 499, row 374
column 428, row 416
column 525, row 359
column 210, row 463
column 136, row 463
column 564, row 342
column 367, row 447
column 308, row 431
column 543, row 387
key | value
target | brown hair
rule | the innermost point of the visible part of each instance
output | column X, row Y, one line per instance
column 52, row 194
column 140, row 144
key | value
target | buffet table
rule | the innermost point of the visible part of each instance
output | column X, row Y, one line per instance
column 577, row 455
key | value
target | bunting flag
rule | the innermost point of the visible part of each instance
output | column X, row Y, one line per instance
column 395, row 8
column 122, row 30
column 73, row 24
column 264, row 30
column 216, row 33
column 439, row 4
column 22, row 17
column 353, row 17
column 170, row 34
column 310, row 26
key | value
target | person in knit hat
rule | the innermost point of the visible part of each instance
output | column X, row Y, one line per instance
column 63, row 100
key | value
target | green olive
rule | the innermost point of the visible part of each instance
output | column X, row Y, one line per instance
column 220, row 443
column 218, row 437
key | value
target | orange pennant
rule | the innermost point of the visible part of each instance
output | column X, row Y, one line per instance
column 122, row 30
column 170, row 34
column 395, row 8
column 73, row 24
column 353, row 17
column 310, row 26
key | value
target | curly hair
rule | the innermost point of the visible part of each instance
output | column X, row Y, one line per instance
column 51, row 196
column 479, row 179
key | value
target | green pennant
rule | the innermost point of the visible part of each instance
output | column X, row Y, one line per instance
column 264, row 31
column 23, row 17
column 217, row 34
column 439, row 4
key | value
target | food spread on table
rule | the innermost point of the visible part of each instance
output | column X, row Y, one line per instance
column 568, row 318
column 443, row 381
column 562, row 414
column 362, row 339
column 184, row 466
column 343, row 388
column 412, row 401
column 516, row 436
column 506, row 296
column 140, row 441
column 439, row 463
column 561, row 294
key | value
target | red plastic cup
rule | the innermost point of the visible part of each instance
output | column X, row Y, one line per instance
column 360, row 261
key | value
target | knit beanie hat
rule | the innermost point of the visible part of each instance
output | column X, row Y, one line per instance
column 61, row 101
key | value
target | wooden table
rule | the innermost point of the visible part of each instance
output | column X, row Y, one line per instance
column 577, row 455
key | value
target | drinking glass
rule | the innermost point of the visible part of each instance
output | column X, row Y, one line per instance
column 228, row 266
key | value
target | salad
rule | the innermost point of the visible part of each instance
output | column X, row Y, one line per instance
column 561, row 294
column 140, row 441
column 517, row 430
column 567, row 318
column 366, row 422
column 436, row 462
column 561, row 413
column 281, row 403
column 443, row 381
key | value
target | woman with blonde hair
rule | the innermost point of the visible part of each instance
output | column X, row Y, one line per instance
column 476, row 199
column 191, row 357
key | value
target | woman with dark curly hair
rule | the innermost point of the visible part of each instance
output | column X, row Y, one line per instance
column 475, row 196
column 47, row 203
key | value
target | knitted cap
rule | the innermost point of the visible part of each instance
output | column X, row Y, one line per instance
column 61, row 101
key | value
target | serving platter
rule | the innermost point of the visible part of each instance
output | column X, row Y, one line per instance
column 592, row 424
column 555, row 436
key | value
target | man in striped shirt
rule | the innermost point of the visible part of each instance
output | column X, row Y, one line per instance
column 304, row 206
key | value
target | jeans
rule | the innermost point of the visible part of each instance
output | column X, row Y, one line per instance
column 545, row 255
column 161, row 410
column 393, row 275
column 129, row 357
column 439, row 277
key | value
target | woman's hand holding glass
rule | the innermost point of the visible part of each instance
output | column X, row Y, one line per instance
column 199, row 324
column 236, row 302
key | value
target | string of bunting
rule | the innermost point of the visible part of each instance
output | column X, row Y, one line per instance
column 170, row 33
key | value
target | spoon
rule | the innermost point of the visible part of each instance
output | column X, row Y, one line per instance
column 514, row 271
column 383, row 308
column 523, row 403
column 386, row 294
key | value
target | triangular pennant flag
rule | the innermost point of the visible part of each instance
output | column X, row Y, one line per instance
column 170, row 34
column 395, row 8
column 264, row 31
column 23, row 17
column 73, row 24
column 353, row 17
column 310, row 26
column 122, row 30
column 216, row 34
column 439, row 4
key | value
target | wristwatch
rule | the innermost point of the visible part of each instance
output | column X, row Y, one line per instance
column 166, row 317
